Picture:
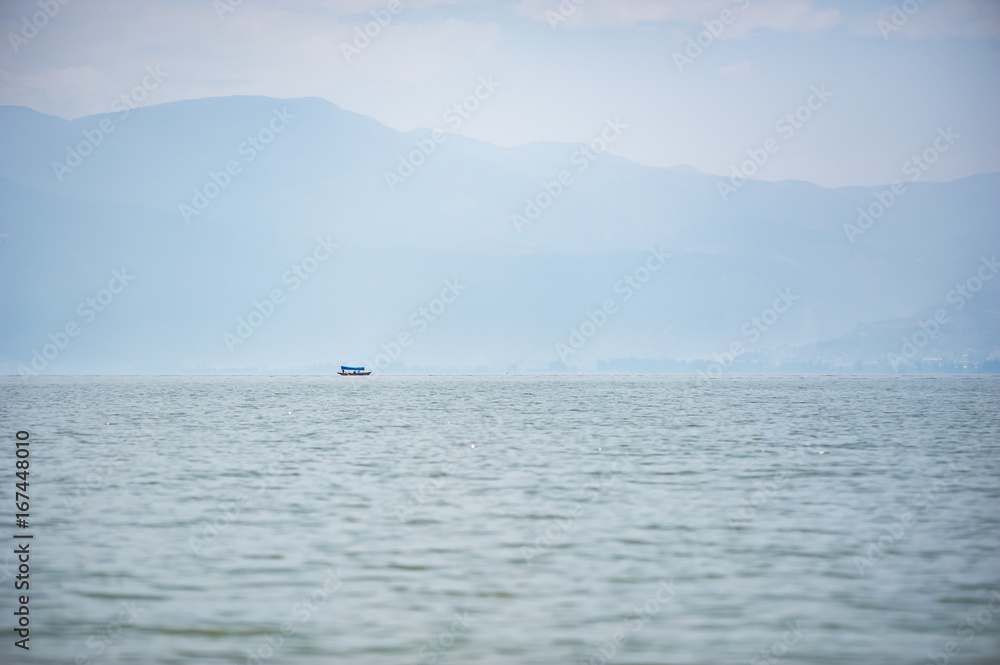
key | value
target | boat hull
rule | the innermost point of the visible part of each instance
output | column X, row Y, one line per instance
column 354, row 373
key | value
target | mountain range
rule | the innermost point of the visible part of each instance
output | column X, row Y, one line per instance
column 251, row 234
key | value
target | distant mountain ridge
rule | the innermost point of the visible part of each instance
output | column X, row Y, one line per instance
column 261, row 179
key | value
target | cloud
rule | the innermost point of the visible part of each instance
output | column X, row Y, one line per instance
column 740, row 67
column 412, row 52
column 941, row 19
column 622, row 12
column 778, row 15
column 785, row 16
column 357, row 8
column 78, row 66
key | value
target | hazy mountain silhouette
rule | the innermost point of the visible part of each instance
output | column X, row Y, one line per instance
column 322, row 174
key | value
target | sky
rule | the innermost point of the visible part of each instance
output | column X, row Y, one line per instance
column 888, row 78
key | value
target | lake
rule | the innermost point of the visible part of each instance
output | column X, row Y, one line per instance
column 507, row 519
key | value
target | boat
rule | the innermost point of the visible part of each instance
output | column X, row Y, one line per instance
column 352, row 371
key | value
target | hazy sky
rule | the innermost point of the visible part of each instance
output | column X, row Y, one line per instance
column 891, row 86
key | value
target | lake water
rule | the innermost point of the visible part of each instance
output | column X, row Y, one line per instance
column 507, row 519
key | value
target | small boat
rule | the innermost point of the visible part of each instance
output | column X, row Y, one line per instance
column 352, row 371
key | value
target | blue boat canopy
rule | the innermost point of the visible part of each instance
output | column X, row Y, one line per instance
column 352, row 369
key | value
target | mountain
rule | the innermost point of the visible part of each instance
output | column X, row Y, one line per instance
column 212, row 206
